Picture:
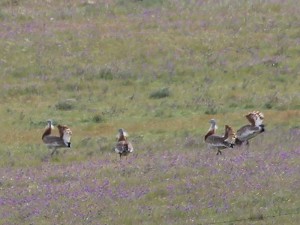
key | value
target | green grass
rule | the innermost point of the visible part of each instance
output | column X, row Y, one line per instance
column 161, row 70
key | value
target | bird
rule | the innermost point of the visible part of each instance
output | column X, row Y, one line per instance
column 55, row 142
column 249, row 131
column 218, row 142
column 123, row 146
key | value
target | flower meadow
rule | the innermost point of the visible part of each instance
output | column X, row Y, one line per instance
column 183, row 185
column 160, row 70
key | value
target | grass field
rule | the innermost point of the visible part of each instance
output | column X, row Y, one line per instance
column 161, row 70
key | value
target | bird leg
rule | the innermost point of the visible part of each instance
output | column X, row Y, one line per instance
column 54, row 151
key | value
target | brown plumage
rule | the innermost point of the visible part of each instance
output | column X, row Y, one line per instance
column 219, row 142
column 123, row 146
column 61, row 129
column 48, row 129
column 249, row 131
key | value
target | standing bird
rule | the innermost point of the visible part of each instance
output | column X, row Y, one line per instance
column 55, row 142
column 123, row 146
column 249, row 131
column 219, row 142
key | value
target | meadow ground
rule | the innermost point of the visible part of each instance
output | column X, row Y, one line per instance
column 161, row 70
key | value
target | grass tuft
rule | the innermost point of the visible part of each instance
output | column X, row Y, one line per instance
column 161, row 93
column 65, row 105
column 159, row 69
column 256, row 217
column 98, row 118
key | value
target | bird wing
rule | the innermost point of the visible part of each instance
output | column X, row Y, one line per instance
column 247, row 132
column 54, row 141
column 251, row 118
column 217, row 141
column 123, row 146
column 259, row 118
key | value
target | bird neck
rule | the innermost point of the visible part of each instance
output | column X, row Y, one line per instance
column 122, row 138
column 47, row 132
column 209, row 133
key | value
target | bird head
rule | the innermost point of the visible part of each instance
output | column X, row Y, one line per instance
column 213, row 124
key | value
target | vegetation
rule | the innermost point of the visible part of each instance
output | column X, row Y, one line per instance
column 161, row 70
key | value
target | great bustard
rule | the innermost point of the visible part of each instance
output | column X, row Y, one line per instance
column 249, row 131
column 123, row 146
column 55, row 142
column 215, row 141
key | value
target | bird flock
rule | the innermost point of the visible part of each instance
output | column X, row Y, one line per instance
column 231, row 138
column 124, row 147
